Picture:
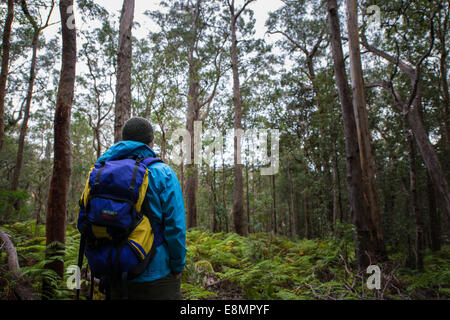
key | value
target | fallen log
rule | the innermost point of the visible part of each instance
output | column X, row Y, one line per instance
column 23, row 289
column 7, row 245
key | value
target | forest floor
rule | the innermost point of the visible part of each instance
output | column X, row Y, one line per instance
column 260, row 266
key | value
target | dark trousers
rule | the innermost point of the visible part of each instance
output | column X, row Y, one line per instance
column 168, row 288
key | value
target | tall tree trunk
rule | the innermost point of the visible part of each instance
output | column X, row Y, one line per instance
column 98, row 147
column 306, row 217
column 62, row 160
column 335, row 199
column 238, row 202
column 124, row 60
column 429, row 155
column 214, row 226
column 442, row 34
column 274, row 206
column 32, row 76
column 192, row 116
column 163, row 143
column 224, row 199
column 293, row 218
column 182, row 166
column 354, row 171
column 45, row 187
column 6, row 45
column 26, row 116
column 363, row 133
column 193, row 112
column 414, row 200
column 338, row 185
column 191, row 168
column 247, row 193
column 435, row 223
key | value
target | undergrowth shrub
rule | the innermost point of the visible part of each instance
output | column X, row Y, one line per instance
column 260, row 266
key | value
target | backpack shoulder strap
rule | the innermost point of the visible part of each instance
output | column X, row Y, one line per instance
column 149, row 161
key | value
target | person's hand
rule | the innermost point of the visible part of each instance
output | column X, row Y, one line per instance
column 177, row 276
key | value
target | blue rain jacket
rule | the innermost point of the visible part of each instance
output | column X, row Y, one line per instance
column 167, row 204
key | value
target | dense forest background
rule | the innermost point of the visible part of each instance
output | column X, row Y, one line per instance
column 356, row 92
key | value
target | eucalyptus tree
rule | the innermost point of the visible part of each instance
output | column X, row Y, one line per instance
column 156, row 89
column 62, row 159
column 407, row 45
column 97, row 100
column 124, row 60
column 6, row 44
column 193, row 33
column 364, row 245
column 234, row 17
column 363, row 131
column 38, row 27
column 304, row 40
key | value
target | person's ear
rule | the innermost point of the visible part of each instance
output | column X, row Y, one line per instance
column 151, row 144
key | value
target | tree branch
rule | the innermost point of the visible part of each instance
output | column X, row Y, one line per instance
column 243, row 8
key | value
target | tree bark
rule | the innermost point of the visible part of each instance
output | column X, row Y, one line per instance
column 192, row 115
column 274, row 206
column 191, row 168
column 414, row 198
column 306, row 218
column 238, row 202
column 442, row 34
column 247, row 193
column 338, row 184
column 62, row 160
column 124, row 61
column 363, row 132
column 293, row 218
column 194, row 110
column 6, row 46
column 435, row 223
column 364, row 245
column 214, row 226
column 26, row 116
column 224, row 199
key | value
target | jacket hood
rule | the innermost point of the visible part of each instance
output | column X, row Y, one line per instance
column 127, row 148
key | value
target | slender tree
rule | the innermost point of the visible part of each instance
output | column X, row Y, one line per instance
column 414, row 197
column 124, row 60
column 6, row 45
column 238, row 204
column 413, row 108
column 62, row 159
column 37, row 30
column 363, row 133
column 354, row 171
column 292, row 215
column 193, row 32
column 195, row 104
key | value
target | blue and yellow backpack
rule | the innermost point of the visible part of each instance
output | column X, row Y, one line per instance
column 117, row 237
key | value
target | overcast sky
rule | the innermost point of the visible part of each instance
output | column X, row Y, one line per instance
column 261, row 9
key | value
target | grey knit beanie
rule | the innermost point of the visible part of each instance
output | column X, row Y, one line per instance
column 138, row 129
